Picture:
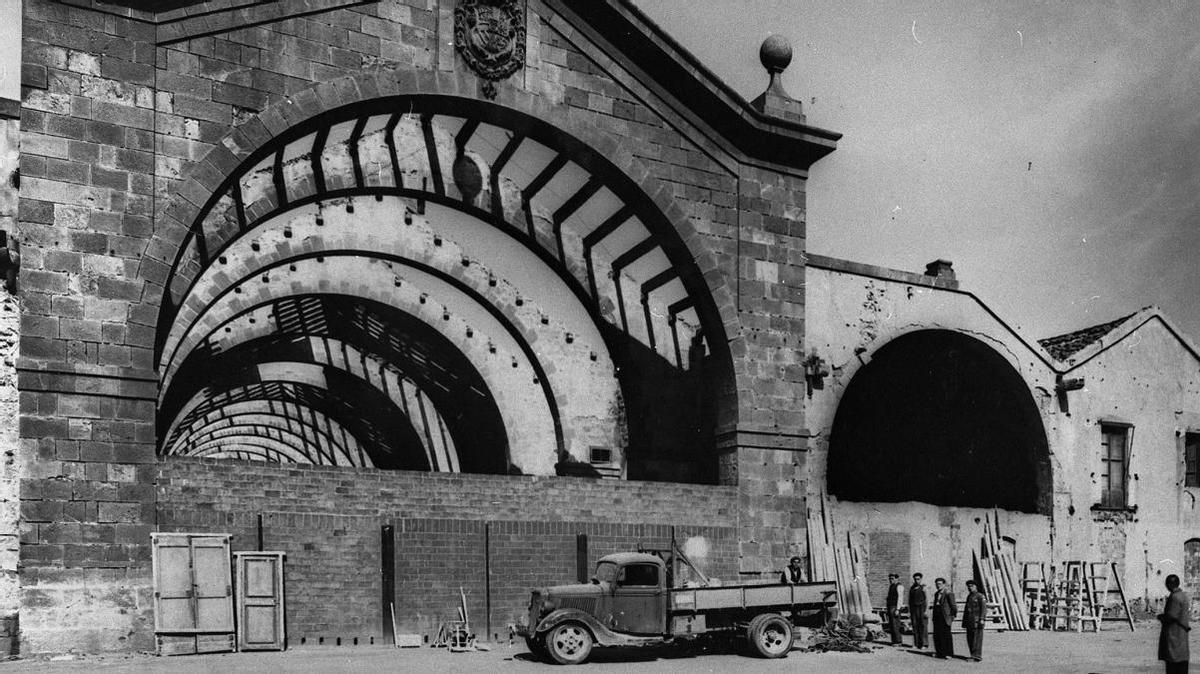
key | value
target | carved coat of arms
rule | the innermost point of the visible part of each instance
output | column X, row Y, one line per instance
column 490, row 37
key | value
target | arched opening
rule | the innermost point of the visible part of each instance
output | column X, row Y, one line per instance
column 517, row 300
column 939, row 417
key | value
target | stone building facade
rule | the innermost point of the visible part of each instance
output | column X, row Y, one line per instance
column 337, row 277
column 259, row 236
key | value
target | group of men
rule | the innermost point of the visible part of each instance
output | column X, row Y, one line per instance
column 945, row 610
column 1172, row 641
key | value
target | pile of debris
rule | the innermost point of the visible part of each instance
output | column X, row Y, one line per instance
column 841, row 637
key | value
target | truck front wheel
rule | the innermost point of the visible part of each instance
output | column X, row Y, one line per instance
column 770, row 635
column 569, row 643
column 537, row 648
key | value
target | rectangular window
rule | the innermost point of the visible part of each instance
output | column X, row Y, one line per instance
column 638, row 574
column 1191, row 447
column 1114, row 462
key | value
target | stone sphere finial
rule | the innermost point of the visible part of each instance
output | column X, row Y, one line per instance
column 775, row 53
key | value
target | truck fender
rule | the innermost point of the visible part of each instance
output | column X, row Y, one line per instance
column 602, row 635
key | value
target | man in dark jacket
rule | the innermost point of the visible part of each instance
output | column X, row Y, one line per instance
column 974, row 612
column 944, row 612
column 893, row 607
column 1173, row 639
column 917, row 603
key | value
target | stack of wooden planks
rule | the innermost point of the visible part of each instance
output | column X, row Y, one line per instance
column 995, row 569
column 832, row 558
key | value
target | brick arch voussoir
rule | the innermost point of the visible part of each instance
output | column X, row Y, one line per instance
column 523, row 321
column 276, row 118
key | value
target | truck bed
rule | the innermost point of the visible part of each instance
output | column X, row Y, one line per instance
column 805, row 595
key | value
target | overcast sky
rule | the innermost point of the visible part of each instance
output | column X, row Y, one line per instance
column 1050, row 149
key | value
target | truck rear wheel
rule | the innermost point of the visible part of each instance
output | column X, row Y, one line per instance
column 770, row 635
column 569, row 643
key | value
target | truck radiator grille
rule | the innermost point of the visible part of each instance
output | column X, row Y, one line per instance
column 585, row 604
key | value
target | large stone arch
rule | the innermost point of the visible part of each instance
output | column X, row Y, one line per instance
column 938, row 416
column 205, row 175
column 213, row 202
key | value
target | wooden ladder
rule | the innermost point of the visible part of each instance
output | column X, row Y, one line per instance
column 1081, row 592
column 1037, row 593
column 1108, row 572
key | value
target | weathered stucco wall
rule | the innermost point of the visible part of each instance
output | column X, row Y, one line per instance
column 1148, row 379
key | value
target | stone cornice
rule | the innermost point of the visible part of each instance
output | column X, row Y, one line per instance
column 676, row 71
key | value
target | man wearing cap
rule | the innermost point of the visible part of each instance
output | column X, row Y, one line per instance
column 944, row 611
column 917, row 603
column 893, row 607
column 794, row 573
column 974, row 612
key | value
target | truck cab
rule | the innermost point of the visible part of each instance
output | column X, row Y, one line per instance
column 633, row 593
column 627, row 595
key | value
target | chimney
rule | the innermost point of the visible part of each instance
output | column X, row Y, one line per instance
column 942, row 269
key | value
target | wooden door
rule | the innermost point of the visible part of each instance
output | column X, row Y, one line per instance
column 172, row 562
column 193, row 593
column 260, row 601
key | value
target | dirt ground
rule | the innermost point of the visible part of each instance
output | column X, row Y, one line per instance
column 1113, row 650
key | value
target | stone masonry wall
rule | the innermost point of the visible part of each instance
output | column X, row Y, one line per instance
column 9, row 457
column 328, row 522
column 129, row 117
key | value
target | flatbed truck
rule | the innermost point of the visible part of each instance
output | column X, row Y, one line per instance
column 629, row 603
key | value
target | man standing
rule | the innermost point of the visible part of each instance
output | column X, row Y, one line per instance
column 1173, row 639
column 893, row 607
column 794, row 573
column 917, row 602
column 974, row 613
column 944, row 612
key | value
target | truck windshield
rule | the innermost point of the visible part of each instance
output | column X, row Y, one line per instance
column 606, row 572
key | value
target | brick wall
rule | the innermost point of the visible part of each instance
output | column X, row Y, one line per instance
column 889, row 552
column 328, row 522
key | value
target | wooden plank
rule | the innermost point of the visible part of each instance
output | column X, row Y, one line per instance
column 1020, row 622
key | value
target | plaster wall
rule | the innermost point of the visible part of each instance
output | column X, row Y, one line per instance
column 1148, row 379
column 1143, row 375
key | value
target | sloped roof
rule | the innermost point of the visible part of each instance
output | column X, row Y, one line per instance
column 1062, row 347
